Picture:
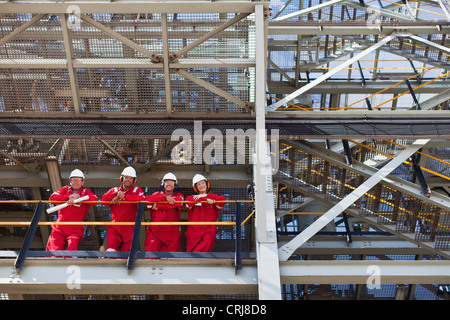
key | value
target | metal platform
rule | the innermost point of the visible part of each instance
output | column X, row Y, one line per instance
column 202, row 276
column 412, row 124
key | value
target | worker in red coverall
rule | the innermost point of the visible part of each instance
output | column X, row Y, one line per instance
column 165, row 238
column 119, row 236
column 201, row 238
column 74, row 212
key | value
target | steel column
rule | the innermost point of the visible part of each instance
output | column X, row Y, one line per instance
column 135, row 240
column 269, row 286
column 29, row 236
column 68, row 47
column 238, row 234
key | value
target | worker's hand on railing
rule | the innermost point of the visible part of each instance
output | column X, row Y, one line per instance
column 199, row 196
column 72, row 199
column 170, row 200
column 119, row 197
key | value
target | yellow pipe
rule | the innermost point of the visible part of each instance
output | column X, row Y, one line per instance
column 54, row 202
column 249, row 216
column 391, row 86
column 108, row 223
column 415, row 88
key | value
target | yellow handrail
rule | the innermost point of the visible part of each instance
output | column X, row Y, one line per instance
column 391, row 86
column 108, row 223
column 424, row 154
column 406, row 162
column 144, row 201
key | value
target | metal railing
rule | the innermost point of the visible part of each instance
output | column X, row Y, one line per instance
column 134, row 253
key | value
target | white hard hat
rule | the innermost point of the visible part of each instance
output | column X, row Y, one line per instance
column 77, row 173
column 129, row 171
column 197, row 178
column 170, row 176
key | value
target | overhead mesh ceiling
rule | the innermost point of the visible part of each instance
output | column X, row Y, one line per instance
column 111, row 76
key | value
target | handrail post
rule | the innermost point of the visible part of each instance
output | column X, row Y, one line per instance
column 238, row 253
column 347, row 228
column 20, row 260
column 135, row 241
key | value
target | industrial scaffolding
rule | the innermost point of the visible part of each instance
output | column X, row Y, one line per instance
column 327, row 122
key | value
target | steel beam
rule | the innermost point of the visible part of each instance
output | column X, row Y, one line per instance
column 269, row 286
column 166, row 50
column 311, row 29
column 429, row 43
column 21, row 29
column 101, row 176
column 308, row 10
column 287, row 250
column 379, row 11
column 153, row 56
column 409, row 9
column 365, row 272
column 335, row 87
column 100, row 276
column 126, row 63
column 127, row 6
column 110, row 276
column 435, row 100
column 445, row 5
column 365, row 245
column 113, row 150
column 68, row 48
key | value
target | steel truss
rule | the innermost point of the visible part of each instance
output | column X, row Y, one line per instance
column 265, row 274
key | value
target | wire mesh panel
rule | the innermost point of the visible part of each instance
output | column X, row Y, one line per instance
column 427, row 223
column 15, row 211
column 32, row 44
column 117, row 63
column 35, row 90
column 443, row 231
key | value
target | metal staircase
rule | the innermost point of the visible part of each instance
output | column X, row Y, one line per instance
column 395, row 205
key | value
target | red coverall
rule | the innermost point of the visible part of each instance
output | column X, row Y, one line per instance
column 164, row 238
column 201, row 238
column 70, row 234
column 119, row 237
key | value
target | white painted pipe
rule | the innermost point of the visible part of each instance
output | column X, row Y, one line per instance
column 63, row 205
